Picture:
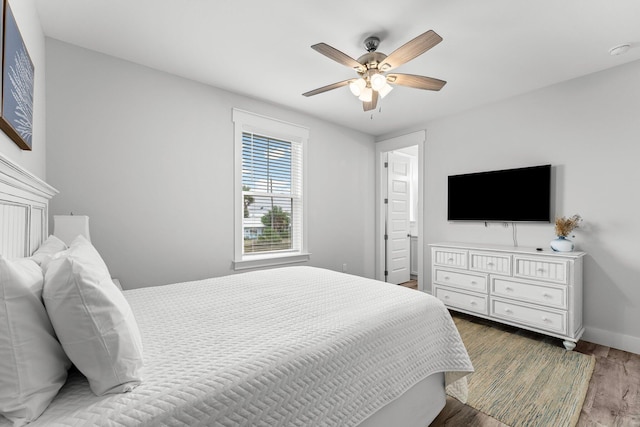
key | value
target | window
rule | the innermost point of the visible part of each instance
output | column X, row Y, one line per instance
column 271, row 197
column 269, row 185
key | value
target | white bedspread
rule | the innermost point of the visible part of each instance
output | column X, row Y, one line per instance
column 295, row 346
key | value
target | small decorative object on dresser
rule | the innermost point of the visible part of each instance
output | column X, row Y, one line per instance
column 564, row 226
column 561, row 244
column 523, row 287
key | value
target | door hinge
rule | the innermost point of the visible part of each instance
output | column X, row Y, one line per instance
column 386, row 201
column 386, row 164
column 386, row 237
column 386, row 273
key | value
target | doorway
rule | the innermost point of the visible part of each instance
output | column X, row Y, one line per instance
column 399, row 209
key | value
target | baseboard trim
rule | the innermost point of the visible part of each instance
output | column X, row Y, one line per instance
column 612, row 339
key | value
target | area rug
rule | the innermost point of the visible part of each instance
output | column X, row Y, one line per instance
column 522, row 381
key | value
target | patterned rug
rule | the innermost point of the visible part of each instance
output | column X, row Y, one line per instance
column 524, row 382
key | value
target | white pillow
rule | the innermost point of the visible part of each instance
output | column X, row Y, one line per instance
column 47, row 250
column 93, row 320
column 33, row 365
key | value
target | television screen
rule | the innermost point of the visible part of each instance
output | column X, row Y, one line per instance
column 509, row 195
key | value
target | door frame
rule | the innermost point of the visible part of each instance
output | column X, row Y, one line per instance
column 382, row 147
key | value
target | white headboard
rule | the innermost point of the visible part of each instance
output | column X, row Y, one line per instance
column 24, row 210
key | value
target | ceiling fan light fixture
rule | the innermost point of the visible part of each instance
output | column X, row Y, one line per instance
column 378, row 81
column 366, row 95
column 357, row 86
column 384, row 90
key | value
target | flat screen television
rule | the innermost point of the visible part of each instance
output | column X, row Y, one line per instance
column 509, row 195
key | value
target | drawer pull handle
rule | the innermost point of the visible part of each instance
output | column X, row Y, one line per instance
column 473, row 282
column 473, row 303
column 546, row 319
column 490, row 264
column 446, row 297
column 546, row 295
column 508, row 311
column 540, row 270
column 508, row 288
column 450, row 259
column 446, row 277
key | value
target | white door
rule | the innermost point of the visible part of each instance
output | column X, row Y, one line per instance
column 398, row 240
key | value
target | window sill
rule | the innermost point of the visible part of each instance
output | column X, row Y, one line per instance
column 257, row 261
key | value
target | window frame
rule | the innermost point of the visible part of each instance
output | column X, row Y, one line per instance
column 245, row 121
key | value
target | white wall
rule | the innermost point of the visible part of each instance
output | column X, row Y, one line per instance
column 139, row 151
column 29, row 24
column 589, row 130
column 149, row 157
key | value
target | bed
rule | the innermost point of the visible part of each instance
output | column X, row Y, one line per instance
column 289, row 346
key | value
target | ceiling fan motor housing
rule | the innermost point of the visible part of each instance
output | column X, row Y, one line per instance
column 371, row 60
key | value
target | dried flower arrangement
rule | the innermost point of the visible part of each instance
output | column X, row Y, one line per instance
column 564, row 226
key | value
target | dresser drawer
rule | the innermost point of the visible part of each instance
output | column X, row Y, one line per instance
column 450, row 257
column 549, row 295
column 541, row 269
column 489, row 262
column 472, row 282
column 461, row 300
column 553, row 321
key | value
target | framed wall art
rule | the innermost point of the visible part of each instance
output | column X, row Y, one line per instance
column 16, row 114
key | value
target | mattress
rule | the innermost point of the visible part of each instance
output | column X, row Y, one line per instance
column 417, row 407
column 294, row 346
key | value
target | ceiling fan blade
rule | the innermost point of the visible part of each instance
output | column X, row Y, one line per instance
column 418, row 82
column 410, row 50
column 327, row 87
column 336, row 55
column 368, row 106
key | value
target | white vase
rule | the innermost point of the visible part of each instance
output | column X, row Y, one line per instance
column 561, row 244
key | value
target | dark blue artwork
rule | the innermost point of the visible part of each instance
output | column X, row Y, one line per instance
column 17, row 85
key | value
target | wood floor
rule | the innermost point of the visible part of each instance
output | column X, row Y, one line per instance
column 613, row 398
column 413, row 284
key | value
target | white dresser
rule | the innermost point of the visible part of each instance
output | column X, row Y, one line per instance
column 536, row 290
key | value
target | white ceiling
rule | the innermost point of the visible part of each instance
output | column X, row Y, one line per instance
column 492, row 49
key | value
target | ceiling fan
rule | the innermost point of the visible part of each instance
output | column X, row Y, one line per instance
column 373, row 67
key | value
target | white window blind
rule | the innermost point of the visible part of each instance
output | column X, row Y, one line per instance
column 272, row 194
column 270, row 223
